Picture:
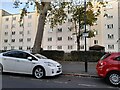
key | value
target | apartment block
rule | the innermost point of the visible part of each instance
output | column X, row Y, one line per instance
column 14, row 35
column 108, row 28
column 61, row 37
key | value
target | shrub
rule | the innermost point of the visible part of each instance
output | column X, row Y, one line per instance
column 91, row 56
column 53, row 54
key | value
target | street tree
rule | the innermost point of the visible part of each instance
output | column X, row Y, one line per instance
column 56, row 12
column 77, row 12
column 42, row 7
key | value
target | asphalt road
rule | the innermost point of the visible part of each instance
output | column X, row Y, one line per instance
column 26, row 81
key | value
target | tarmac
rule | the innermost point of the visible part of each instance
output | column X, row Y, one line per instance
column 78, row 68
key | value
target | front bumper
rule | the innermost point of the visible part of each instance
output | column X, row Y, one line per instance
column 53, row 71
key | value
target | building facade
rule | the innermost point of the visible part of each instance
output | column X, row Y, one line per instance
column 61, row 37
column 14, row 35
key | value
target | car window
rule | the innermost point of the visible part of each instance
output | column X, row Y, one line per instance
column 40, row 56
column 117, row 58
column 10, row 54
column 105, row 56
column 24, row 55
column 18, row 54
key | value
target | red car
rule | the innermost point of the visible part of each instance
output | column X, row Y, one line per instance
column 108, row 67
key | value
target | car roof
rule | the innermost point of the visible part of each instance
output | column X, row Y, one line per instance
column 17, row 50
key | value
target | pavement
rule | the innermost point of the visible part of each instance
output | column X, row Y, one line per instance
column 78, row 69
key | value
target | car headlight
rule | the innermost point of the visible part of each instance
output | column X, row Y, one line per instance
column 50, row 64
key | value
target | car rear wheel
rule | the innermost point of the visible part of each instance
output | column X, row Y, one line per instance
column 39, row 72
column 114, row 78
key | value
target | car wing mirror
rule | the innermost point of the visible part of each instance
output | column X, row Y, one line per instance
column 29, row 58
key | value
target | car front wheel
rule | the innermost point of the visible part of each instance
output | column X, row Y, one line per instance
column 39, row 72
column 114, row 78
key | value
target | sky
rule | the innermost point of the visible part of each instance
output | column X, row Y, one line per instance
column 9, row 7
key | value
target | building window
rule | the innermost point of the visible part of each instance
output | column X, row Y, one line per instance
column 59, row 47
column 13, row 26
column 109, row 6
column 6, row 40
column 50, row 39
column 12, row 47
column 110, row 36
column 21, row 32
column 59, row 38
column 28, row 32
column 5, row 48
column 29, row 24
column 70, row 29
column 50, row 31
column 6, row 26
column 49, row 47
column 69, row 20
column 6, row 33
column 28, row 47
column 70, row 38
column 110, row 46
column 21, row 40
column 28, row 39
column 29, row 16
column 13, row 40
column 109, row 16
column 14, row 18
column 20, row 47
column 69, row 11
column 81, row 46
column 59, row 29
column 82, row 38
column 70, row 47
column 7, row 19
column 95, row 32
column 110, row 26
column 13, row 32
column 95, row 41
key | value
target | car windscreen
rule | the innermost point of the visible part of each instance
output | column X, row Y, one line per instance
column 40, row 56
column 105, row 56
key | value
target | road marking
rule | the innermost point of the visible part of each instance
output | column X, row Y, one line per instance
column 87, row 85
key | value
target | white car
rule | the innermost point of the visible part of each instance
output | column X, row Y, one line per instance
column 17, row 61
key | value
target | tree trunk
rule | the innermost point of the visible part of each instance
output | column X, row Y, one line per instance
column 78, row 43
column 40, row 29
column 77, row 36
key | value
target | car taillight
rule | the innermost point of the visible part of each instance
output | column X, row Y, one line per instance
column 102, row 63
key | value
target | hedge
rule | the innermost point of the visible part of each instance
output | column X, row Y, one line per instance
column 53, row 54
column 91, row 56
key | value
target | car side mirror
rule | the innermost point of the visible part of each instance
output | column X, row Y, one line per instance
column 29, row 58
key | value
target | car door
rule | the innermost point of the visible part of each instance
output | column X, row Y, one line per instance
column 24, row 65
column 8, row 61
column 118, row 62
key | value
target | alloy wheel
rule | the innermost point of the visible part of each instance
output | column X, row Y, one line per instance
column 114, row 79
column 39, row 72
